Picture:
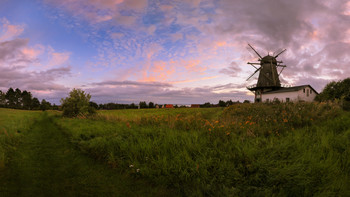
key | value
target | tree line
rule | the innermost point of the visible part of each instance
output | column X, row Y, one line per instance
column 17, row 99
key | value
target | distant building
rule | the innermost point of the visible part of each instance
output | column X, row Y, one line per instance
column 169, row 106
column 195, row 106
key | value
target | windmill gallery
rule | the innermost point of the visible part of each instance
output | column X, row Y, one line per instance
column 268, row 88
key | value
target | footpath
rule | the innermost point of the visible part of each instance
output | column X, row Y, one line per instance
column 46, row 164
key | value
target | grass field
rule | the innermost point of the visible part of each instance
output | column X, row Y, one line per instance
column 12, row 124
column 243, row 150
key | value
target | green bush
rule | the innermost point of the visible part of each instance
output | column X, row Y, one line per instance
column 77, row 104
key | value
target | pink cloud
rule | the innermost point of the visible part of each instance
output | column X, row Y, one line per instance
column 9, row 31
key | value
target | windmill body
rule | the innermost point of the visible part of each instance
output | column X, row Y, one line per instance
column 268, row 79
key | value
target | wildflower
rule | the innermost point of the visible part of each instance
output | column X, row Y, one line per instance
column 285, row 120
column 247, row 122
column 128, row 125
column 228, row 133
column 137, row 170
column 131, row 166
column 209, row 129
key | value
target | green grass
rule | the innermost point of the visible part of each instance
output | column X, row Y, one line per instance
column 244, row 150
column 12, row 125
column 45, row 163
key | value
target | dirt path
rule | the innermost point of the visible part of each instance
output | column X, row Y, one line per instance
column 46, row 164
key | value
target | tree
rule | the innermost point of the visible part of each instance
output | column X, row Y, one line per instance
column 45, row 105
column 246, row 101
column 10, row 97
column 228, row 103
column 35, row 104
column 151, row 105
column 336, row 91
column 222, row 103
column 26, row 100
column 18, row 98
column 2, row 99
column 93, row 104
column 77, row 104
column 143, row 104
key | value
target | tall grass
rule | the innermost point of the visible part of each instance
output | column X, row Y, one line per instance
column 12, row 124
column 243, row 150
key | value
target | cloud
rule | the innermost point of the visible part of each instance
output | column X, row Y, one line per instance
column 9, row 31
column 130, row 91
column 233, row 70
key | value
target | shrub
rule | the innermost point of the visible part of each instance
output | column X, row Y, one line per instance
column 77, row 104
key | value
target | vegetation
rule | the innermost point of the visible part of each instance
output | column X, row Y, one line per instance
column 13, row 123
column 16, row 99
column 244, row 150
column 337, row 91
column 77, row 104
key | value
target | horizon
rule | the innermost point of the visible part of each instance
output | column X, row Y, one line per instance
column 193, row 51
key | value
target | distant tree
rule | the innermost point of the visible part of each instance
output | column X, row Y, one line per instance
column 55, row 107
column 228, row 103
column 222, row 103
column 207, row 104
column 93, row 104
column 132, row 106
column 77, row 103
column 18, row 98
column 45, row 105
column 246, row 101
column 176, row 106
column 26, row 99
column 151, row 105
column 10, row 98
column 2, row 99
column 143, row 104
column 35, row 104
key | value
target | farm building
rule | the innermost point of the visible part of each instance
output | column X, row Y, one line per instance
column 290, row 94
column 195, row 106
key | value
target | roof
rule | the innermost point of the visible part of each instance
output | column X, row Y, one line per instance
column 289, row 89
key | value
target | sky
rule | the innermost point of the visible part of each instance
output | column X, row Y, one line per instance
column 169, row 51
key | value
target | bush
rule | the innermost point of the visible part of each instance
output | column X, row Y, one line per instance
column 77, row 104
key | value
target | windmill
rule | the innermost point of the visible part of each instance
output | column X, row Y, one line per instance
column 268, row 76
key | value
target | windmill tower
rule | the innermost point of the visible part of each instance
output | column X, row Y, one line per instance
column 268, row 79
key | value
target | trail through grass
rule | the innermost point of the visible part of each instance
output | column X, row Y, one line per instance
column 46, row 164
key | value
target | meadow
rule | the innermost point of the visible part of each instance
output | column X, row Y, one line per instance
column 288, row 149
column 12, row 124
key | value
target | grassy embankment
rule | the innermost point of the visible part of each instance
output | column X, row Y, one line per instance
column 243, row 150
column 12, row 125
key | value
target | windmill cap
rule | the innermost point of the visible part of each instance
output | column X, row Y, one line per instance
column 268, row 59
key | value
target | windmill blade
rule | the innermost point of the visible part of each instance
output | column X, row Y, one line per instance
column 253, row 73
column 281, row 70
column 281, row 65
column 280, row 53
column 252, row 64
column 255, row 51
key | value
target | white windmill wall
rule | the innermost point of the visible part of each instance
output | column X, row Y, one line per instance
column 304, row 94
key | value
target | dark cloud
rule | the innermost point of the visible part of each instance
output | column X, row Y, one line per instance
column 232, row 70
column 312, row 31
column 130, row 91
column 10, row 50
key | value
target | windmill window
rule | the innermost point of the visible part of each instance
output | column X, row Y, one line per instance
column 307, row 92
column 287, row 99
column 304, row 90
column 310, row 91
